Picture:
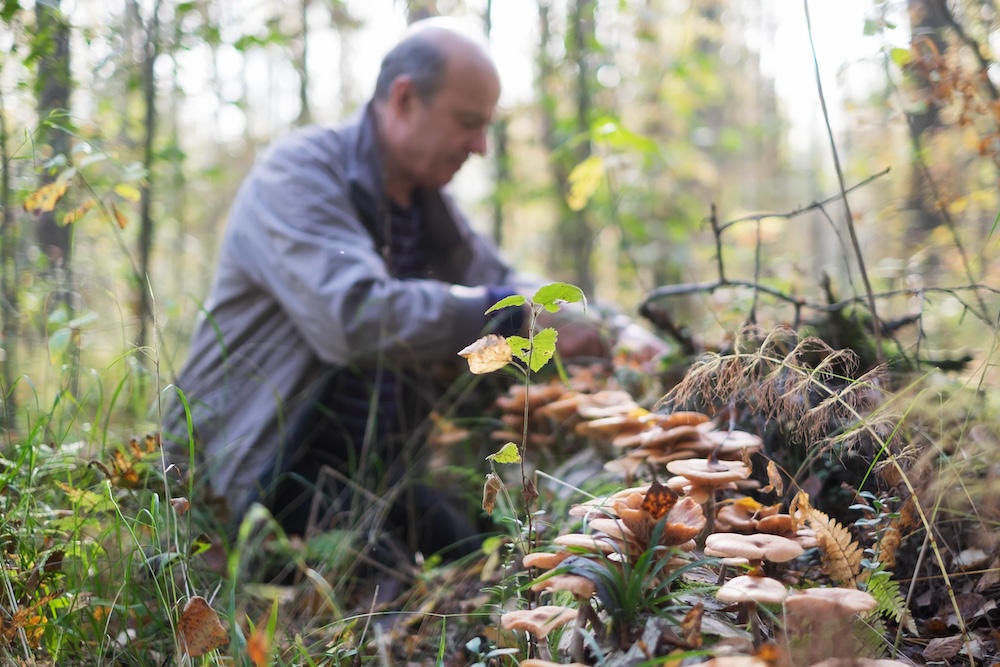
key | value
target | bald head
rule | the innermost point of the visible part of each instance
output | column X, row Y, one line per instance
column 424, row 54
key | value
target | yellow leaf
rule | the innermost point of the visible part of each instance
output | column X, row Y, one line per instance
column 129, row 192
column 119, row 216
column 584, row 181
column 45, row 198
column 488, row 354
column 79, row 211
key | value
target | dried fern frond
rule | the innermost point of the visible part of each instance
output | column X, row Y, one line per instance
column 841, row 554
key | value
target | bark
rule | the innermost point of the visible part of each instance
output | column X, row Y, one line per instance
column 146, row 226
column 501, row 152
column 8, row 278
column 302, row 65
column 576, row 229
column 926, row 27
column 53, row 99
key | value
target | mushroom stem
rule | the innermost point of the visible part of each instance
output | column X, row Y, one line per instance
column 584, row 614
column 709, row 509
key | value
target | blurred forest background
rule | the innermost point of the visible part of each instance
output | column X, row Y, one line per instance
column 126, row 126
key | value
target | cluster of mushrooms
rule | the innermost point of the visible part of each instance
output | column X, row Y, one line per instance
column 702, row 520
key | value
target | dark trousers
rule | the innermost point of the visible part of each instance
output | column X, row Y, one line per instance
column 335, row 477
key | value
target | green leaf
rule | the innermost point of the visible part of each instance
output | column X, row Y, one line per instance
column 551, row 295
column 59, row 343
column 506, row 454
column 519, row 347
column 902, row 57
column 544, row 348
column 10, row 8
column 506, row 302
column 584, row 181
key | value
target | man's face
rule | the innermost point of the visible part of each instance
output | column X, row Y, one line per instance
column 437, row 136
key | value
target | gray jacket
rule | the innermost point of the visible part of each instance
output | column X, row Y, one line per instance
column 302, row 286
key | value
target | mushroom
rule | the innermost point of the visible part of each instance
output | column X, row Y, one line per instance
column 824, row 603
column 749, row 591
column 582, row 589
column 755, row 548
column 538, row 621
column 709, row 474
column 822, row 617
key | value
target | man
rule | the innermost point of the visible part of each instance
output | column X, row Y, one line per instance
column 344, row 275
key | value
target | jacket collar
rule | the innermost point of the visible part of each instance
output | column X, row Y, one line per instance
column 365, row 177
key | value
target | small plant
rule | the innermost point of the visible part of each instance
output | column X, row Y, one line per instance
column 494, row 352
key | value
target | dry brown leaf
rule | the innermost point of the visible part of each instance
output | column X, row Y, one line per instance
column 841, row 554
column 943, row 649
column 886, row 547
column 200, row 629
column 181, row 505
column 119, row 216
column 488, row 354
column 658, row 500
column 774, row 481
column 79, row 211
column 491, row 488
column 691, row 626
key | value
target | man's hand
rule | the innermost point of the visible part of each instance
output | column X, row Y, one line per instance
column 580, row 337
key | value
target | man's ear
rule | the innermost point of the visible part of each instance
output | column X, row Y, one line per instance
column 402, row 94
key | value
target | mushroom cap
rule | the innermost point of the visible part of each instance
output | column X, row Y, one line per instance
column 829, row 601
column 613, row 527
column 855, row 662
column 701, row 472
column 581, row 587
column 538, row 621
column 746, row 588
column 735, row 440
column 612, row 426
column 730, row 661
column 545, row 560
column 606, row 403
column 562, row 408
column 759, row 546
column 683, row 418
column 778, row 524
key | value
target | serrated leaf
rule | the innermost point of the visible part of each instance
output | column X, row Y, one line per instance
column 543, row 349
column 507, row 454
column 506, row 302
column 555, row 293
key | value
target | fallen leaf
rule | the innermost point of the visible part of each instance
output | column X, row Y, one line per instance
column 691, row 626
column 199, row 628
column 488, row 354
column 943, row 648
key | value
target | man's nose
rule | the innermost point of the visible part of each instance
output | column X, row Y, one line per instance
column 478, row 143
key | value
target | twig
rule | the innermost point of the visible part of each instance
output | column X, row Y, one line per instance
column 876, row 330
column 804, row 209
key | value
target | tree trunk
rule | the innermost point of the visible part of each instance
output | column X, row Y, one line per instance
column 576, row 229
column 53, row 100
column 302, row 65
column 926, row 27
column 8, row 279
column 501, row 152
column 150, row 53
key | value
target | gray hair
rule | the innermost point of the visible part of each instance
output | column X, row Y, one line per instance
column 416, row 58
